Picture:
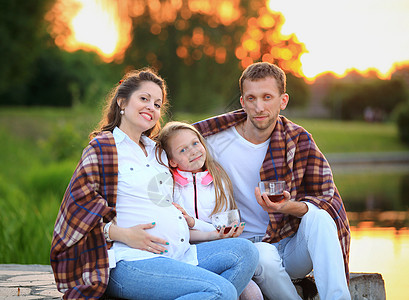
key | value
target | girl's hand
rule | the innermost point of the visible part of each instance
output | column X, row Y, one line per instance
column 204, row 236
column 190, row 220
column 137, row 237
column 235, row 231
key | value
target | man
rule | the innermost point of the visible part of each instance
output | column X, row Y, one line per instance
column 309, row 228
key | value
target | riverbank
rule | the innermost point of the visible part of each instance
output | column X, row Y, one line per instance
column 361, row 162
column 362, row 158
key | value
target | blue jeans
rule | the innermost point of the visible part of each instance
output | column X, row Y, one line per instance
column 225, row 268
column 315, row 245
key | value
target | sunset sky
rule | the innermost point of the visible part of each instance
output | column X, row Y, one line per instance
column 338, row 35
column 341, row 35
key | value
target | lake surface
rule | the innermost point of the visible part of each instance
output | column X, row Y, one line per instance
column 376, row 198
column 384, row 251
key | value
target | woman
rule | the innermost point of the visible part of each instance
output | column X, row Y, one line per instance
column 151, row 257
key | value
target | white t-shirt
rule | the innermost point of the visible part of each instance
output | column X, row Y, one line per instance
column 145, row 195
column 242, row 161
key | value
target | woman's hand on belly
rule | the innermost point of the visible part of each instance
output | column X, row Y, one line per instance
column 137, row 237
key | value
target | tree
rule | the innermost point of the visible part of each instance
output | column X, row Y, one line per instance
column 349, row 97
column 62, row 78
column 21, row 33
column 402, row 120
column 199, row 46
column 298, row 90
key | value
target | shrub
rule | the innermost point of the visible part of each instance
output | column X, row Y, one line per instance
column 64, row 143
column 348, row 99
column 51, row 179
column 26, row 224
column 402, row 120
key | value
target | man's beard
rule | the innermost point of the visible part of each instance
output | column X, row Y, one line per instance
column 263, row 126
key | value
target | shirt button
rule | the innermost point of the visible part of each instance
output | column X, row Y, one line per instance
column 147, row 165
column 131, row 169
column 180, row 217
column 182, row 240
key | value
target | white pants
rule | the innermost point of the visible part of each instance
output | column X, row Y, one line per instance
column 314, row 246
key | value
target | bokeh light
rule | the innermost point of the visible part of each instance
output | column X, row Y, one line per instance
column 106, row 27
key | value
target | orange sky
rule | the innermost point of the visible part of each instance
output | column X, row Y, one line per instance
column 338, row 35
column 346, row 34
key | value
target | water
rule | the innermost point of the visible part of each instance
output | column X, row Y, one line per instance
column 377, row 201
column 383, row 250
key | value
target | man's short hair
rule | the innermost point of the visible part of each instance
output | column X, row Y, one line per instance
column 262, row 70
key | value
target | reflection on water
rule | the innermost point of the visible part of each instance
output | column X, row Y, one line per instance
column 376, row 198
column 382, row 250
column 396, row 219
column 372, row 193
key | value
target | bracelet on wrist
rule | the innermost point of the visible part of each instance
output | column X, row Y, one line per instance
column 106, row 232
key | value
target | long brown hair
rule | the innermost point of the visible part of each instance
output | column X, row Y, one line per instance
column 124, row 90
column 224, row 198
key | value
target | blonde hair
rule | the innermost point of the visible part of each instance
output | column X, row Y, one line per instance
column 224, row 198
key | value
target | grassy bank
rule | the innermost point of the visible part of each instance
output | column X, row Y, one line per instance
column 40, row 148
column 335, row 136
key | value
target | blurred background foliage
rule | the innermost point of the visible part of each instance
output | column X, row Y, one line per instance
column 371, row 98
column 199, row 52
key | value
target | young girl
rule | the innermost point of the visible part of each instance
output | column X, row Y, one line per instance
column 201, row 186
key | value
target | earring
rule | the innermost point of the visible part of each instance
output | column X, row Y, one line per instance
column 122, row 112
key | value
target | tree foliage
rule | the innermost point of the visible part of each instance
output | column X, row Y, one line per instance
column 36, row 72
column 60, row 78
column 402, row 111
column 350, row 97
column 201, row 48
column 298, row 90
column 21, row 34
column 402, row 120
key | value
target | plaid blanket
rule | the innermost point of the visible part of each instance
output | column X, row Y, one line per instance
column 294, row 157
column 79, row 255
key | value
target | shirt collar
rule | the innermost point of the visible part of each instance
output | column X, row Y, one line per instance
column 120, row 136
column 183, row 178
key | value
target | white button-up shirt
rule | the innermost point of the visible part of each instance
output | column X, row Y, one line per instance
column 145, row 195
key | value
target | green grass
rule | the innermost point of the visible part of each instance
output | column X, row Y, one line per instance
column 30, row 194
column 41, row 147
column 354, row 136
column 36, row 123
